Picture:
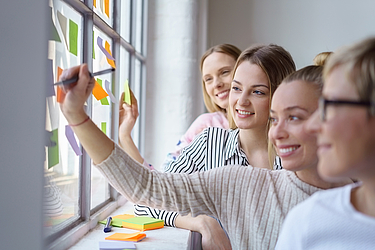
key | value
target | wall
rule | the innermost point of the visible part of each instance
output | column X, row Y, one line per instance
column 23, row 75
column 305, row 28
column 174, row 97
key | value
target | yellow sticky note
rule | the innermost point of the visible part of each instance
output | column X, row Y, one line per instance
column 127, row 97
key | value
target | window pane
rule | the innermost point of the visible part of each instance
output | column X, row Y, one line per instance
column 125, row 20
column 104, row 9
column 136, row 87
column 62, row 163
column 138, row 25
column 101, row 108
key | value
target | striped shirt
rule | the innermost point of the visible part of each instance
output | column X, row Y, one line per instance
column 213, row 148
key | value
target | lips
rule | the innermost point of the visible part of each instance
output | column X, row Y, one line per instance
column 224, row 94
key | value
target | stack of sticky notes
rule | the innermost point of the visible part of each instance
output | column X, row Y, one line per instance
column 127, row 237
column 115, row 245
column 143, row 223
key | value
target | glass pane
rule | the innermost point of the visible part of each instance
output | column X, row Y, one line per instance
column 61, row 167
column 101, row 107
column 125, row 20
column 138, row 25
column 136, row 87
column 104, row 9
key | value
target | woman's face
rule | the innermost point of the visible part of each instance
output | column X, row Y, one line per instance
column 216, row 74
column 292, row 105
column 346, row 139
column 249, row 96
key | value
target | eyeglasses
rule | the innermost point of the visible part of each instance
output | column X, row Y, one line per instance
column 323, row 103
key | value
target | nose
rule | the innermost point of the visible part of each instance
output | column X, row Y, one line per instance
column 313, row 124
column 218, row 82
column 278, row 131
column 243, row 100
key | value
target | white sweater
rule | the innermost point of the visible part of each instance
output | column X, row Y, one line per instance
column 251, row 203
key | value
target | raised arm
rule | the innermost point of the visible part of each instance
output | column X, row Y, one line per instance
column 95, row 142
column 128, row 115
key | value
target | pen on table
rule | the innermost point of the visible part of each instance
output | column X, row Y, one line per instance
column 74, row 79
column 108, row 226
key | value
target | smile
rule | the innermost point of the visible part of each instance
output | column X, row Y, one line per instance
column 287, row 150
column 223, row 94
column 241, row 112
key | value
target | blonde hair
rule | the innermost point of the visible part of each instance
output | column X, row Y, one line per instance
column 227, row 49
column 321, row 58
column 358, row 61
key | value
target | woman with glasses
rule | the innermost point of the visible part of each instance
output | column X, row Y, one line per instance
column 342, row 218
column 250, row 202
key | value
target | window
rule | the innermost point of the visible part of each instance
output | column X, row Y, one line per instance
column 103, row 34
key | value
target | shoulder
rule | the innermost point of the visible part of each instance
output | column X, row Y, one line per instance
column 215, row 119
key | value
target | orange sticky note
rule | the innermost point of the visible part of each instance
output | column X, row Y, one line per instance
column 99, row 92
column 106, row 7
column 107, row 48
column 127, row 237
column 60, row 96
column 123, row 216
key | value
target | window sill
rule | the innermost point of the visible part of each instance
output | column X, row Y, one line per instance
column 164, row 238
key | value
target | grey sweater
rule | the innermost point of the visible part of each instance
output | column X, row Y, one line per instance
column 251, row 203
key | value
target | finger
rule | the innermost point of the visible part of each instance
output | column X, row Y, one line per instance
column 121, row 100
column 133, row 99
column 85, row 81
column 69, row 73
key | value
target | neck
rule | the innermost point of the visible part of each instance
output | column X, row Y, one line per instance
column 363, row 197
column 254, row 144
column 310, row 175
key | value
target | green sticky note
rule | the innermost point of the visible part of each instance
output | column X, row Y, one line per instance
column 53, row 152
column 73, row 37
column 104, row 127
column 114, row 223
column 93, row 46
column 127, row 97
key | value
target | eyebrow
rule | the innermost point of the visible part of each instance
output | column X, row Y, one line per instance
column 291, row 108
column 254, row 86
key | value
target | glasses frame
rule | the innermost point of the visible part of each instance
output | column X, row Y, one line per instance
column 323, row 103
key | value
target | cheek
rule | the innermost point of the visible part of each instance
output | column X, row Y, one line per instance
column 209, row 89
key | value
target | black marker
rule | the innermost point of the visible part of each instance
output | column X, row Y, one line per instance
column 74, row 79
column 108, row 226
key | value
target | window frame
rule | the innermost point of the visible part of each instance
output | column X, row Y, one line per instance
column 69, row 232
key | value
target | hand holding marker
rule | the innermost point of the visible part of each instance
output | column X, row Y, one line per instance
column 75, row 79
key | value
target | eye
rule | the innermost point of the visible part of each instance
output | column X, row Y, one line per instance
column 293, row 118
column 225, row 72
column 207, row 80
column 258, row 92
column 236, row 88
column 272, row 120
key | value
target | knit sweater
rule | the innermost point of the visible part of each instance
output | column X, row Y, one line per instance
column 251, row 203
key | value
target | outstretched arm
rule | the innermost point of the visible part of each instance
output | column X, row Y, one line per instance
column 95, row 142
column 128, row 117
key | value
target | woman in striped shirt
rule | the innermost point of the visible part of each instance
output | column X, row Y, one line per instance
column 216, row 66
column 251, row 202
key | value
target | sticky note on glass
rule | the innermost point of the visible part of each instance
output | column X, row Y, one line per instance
column 127, row 237
column 127, row 97
column 98, row 91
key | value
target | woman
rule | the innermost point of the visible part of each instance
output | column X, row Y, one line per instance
column 216, row 66
column 343, row 218
column 251, row 202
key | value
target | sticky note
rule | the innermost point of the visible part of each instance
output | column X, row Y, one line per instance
column 60, row 94
column 63, row 24
column 53, row 152
column 127, row 97
column 127, row 237
column 54, row 36
column 108, row 49
column 106, row 52
column 143, row 223
column 72, row 140
column 117, row 220
column 73, row 37
column 112, row 244
column 104, row 127
column 98, row 91
column 106, row 7
column 111, row 96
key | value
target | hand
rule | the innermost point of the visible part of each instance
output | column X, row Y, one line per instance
column 128, row 116
column 76, row 94
column 213, row 235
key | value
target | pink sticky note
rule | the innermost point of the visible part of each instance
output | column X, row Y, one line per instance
column 72, row 140
column 99, row 41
